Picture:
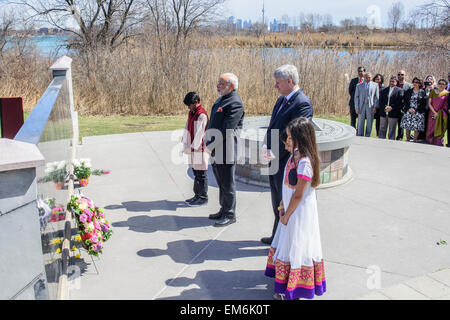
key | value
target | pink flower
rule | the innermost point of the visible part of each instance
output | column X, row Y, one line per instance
column 94, row 238
column 98, row 247
column 83, row 217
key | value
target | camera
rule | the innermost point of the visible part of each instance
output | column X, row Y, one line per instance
column 427, row 83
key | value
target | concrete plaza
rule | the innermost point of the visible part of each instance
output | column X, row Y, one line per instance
column 388, row 219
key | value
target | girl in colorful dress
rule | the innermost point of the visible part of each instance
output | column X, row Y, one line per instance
column 438, row 101
column 295, row 256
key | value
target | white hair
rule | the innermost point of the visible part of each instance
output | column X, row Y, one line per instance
column 231, row 78
column 287, row 71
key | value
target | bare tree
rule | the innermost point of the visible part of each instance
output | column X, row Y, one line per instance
column 434, row 15
column 395, row 14
column 6, row 25
column 182, row 16
column 15, row 34
column 106, row 23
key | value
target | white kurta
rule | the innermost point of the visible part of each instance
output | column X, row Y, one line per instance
column 197, row 159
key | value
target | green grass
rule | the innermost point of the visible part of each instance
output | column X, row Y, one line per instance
column 102, row 125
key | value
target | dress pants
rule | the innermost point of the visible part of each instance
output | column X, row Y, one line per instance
column 276, row 192
column 201, row 184
column 400, row 130
column 353, row 117
column 385, row 123
column 365, row 114
column 224, row 174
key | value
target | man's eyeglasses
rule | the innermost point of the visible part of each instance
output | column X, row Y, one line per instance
column 416, row 82
column 401, row 74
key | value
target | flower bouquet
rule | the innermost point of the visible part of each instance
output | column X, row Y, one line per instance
column 82, row 170
column 56, row 172
column 58, row 214
column 94, row 230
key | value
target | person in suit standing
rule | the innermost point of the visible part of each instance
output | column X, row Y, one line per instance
column 222, row 136
column 405, row 86
column 351, row 90
column 390, row 107
column 292, row 104
column 366, row 102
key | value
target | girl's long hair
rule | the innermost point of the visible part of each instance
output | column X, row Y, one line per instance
column 304, row 138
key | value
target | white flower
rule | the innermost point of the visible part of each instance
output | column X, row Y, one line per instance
column 76, row 163
column 61, row 165
column 86, row 162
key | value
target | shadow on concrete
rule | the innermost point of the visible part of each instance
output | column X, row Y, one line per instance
column 223, row 285
column 185, row 251
column 148, row 224
column 239, row 185
column 147, row 206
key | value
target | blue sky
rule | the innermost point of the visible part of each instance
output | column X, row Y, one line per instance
column 339, row 9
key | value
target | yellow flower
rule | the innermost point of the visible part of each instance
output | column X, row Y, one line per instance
column 74, row 248
column 58, row 250
column 78, row 256
column 56, row 241
column 77, row 238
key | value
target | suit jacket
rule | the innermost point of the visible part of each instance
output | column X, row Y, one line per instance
column 396, row 102
column 298, row 105
column 227, row 116
column 406, row 86
column 366, row 97
column 351, row 90
column 421, row 103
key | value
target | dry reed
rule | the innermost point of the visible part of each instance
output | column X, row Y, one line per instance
column 143, row 78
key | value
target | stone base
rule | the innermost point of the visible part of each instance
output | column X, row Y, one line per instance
column 333, row 141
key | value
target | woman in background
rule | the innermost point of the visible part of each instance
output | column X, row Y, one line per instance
column 380, row 80
column 414, row 110
column 428, row 85
column 438, row 101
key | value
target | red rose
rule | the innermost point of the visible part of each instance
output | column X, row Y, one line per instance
column 85, row 236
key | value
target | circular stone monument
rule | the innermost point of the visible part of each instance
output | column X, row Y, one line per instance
column 333, row 140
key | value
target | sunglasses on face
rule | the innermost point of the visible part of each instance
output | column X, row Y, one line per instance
column 441, row 84
column 416, row 82
column 400, row 74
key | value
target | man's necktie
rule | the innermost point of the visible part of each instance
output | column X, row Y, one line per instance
column 282, row 105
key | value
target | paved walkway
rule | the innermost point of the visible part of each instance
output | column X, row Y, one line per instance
column 379, row 231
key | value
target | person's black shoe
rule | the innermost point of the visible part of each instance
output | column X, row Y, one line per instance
column 216, row 216
column 198, row 202
column 191, row 199
column 267, row 240
column 225, row 221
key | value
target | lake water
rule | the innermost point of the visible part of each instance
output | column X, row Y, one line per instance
column 56, row 45
column 49, row 45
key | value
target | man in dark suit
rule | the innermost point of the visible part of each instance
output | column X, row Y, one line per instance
column 351, row 90
column 222, row 136
column 292, row 104
column 389, row 108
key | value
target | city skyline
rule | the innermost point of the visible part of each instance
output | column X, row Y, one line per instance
column 339, row 10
